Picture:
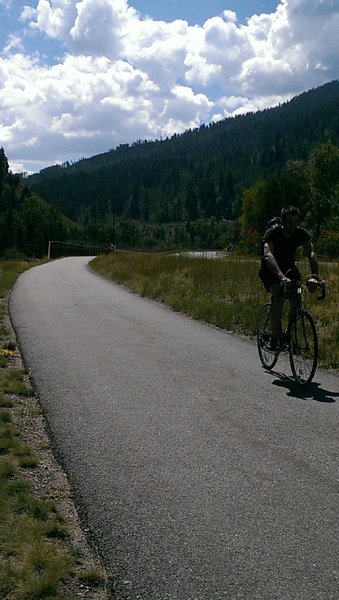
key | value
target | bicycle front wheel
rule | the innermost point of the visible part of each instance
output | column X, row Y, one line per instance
column 303, row 348
column 267, row 357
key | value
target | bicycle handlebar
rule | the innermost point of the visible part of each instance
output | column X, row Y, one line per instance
column 321, row 284
column 323, row 290
column 296, row 284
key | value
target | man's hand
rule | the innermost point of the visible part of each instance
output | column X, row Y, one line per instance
column 312, row 284
column 288, row 283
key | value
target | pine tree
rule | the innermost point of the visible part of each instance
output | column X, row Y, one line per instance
column 3, row 170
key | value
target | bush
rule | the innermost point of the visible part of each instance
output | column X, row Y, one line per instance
column 13, row 254
column 328, row 244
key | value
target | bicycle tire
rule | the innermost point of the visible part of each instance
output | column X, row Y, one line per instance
column 303, row 348
column 267, row 357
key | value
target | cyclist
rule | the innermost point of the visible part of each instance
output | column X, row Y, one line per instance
column 278, row 269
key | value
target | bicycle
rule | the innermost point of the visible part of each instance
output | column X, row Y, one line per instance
column 300, row 337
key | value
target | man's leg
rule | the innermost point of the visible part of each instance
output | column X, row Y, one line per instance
column 277, row 306
column 294, row 301
column 276, row 313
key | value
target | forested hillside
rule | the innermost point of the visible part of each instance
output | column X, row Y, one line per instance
column 199, row 174
column 27, row 223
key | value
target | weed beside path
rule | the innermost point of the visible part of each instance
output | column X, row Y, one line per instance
column 226, row 293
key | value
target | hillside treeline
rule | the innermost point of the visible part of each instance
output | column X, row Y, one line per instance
column 197, row 175
column 27, row 223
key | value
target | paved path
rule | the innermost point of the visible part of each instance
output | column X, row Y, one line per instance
column 199, row 475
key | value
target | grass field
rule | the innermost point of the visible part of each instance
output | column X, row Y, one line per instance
column 226, row 293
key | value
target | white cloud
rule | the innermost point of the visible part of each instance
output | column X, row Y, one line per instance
column 222, row 49
column 54, row 18
column 290, row 44
column 238, row 105
column 230, row 15
column 125, row 78
column 85, row 103
column 14, row 42
column 28, row 13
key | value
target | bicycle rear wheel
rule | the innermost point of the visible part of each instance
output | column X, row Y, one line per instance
column 303, row 348
column 267, row 357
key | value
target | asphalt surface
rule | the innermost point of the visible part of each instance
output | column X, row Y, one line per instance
column 199, row 475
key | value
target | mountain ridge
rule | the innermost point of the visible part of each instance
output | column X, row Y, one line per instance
column 143, row 180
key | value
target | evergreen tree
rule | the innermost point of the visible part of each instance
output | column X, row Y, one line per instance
column 3, row 170
column 27, row 223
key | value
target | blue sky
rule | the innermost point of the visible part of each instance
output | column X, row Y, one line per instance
column 78, row 77
column 196, row 12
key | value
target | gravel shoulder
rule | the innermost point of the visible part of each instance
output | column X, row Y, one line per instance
column 49, row 482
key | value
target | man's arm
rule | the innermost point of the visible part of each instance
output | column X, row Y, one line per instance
column 312, row 283
column 312, row 257
column 272, row 263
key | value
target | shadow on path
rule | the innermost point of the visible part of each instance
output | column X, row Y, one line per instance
column 311, row 391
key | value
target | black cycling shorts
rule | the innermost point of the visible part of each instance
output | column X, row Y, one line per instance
column 268, row 278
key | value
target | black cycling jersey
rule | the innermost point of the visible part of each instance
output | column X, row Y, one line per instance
column 284, row 249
